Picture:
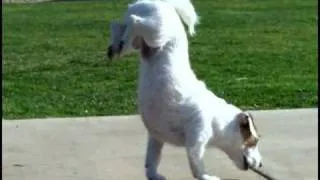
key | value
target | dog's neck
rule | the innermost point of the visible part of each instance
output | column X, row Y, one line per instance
column 224, row 124
column 225, row 138
column 147, row 52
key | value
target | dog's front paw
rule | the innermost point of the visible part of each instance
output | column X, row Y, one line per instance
column 156, row 177
column 207, row 177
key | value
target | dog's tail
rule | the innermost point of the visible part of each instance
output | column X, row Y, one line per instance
column 187, row 13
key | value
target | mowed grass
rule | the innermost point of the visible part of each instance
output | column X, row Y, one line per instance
column 256, row 54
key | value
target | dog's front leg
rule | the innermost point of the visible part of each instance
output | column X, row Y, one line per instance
column 195, row 146
column 153, row 157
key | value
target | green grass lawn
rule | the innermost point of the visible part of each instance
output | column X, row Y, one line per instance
column 256, row 54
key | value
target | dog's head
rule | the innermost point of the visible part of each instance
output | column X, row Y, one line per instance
column 243, row 147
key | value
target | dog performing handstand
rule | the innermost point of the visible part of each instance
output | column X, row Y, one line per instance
column 175, row 106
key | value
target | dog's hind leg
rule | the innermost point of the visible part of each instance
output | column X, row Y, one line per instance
column 153, row 157
column 128, row 33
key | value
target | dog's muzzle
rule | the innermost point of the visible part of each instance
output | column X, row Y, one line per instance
column 246, row 165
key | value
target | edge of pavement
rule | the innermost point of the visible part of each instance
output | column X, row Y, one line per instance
column 125, row 117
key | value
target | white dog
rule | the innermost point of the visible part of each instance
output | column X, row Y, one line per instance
column 175, row 106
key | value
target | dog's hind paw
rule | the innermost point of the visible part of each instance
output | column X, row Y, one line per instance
column 156, row 177
column 207, row 177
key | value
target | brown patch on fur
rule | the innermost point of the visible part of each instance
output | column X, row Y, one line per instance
column 248, row 139
column 136, row 43
column 147, row 51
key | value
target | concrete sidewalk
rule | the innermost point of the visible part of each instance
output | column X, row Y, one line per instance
column 112, row 148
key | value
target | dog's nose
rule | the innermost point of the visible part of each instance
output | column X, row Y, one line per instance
column 260, row 165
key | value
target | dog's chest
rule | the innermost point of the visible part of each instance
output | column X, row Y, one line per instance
column 159, row 99
column 158, row 95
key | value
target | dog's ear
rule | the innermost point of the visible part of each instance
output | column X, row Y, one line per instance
column 247, row 128
column 243, row 119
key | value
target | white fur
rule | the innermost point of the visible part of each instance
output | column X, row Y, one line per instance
column 175, row 106
column 252, row 128
column 187, row 13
